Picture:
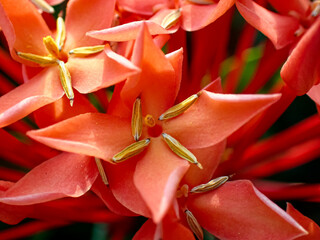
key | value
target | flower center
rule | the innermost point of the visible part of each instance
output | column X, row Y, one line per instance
column 155, row 131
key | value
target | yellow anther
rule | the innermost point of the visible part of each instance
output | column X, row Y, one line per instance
column 51, row 46
column 213, row 184
column 315, row 7
column 42, row 60
column 136, row 120
column 85, row 51
column 65, row 79
column 180, row 150
column 101, row 171
column 202, row 2
column 131, row 150
column 179, row 108
column 61, row 33
column 43, row 5
column 171, row 19
column 149, row 121
column 194, row 224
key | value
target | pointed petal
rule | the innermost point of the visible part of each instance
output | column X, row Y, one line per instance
column 41, row 90
column 156, row 83
column 195, row 17
column 213, row 117
column 157, row 176
column 105, row 194
column 103, row 70
column 23, row 27
column 279, row 29
column 237, row 210
column 64, row 175
column 126, row 32
column 92, row 134
column 314, row 94
column 121, row 180
column 312, row 228
column 302, row 69
column 98, row 14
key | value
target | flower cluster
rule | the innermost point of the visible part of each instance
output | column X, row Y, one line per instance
column 117, row 110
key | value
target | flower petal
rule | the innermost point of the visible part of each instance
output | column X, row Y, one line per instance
column 41, row 90
column 214, row 117
column 157, row 176
column 92, row 134
column 195, row 17
column 141, row 6
column 11, row 214
column 98, row 14
column 156, row 83
column 23, row 27
column 314, row 94
column 103, row 70
column 126, row 32
column 61, row 110
column 171, row 229
column 302, row 69
column 312, row 228
column 299, row 6
column 209, row 158
column 121, row 182
column 105, row 194
column 278, row 28
column 64, row 175
column 237, row 210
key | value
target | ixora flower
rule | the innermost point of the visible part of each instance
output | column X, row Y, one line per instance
column 71, row 56
column 190, row 15
column 228, row 210
column 301, row 70
column 153, row 140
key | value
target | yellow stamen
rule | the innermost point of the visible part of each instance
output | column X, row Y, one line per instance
column 42, row 60
column 179, row 108
column 202, row 2
column 213, row 184
column 315, row 6
column 51, row 46
column 43, row 5
column 61, row 33
column 85, row 51
column 136, row 120
column 131, row 150
column 149, row 121
column 194, row 224
column 101, row 171
column 180, row 150
column 171, row 19
column 65, row 79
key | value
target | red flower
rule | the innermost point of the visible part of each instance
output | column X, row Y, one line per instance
column 148, row 182
column 25, row 30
